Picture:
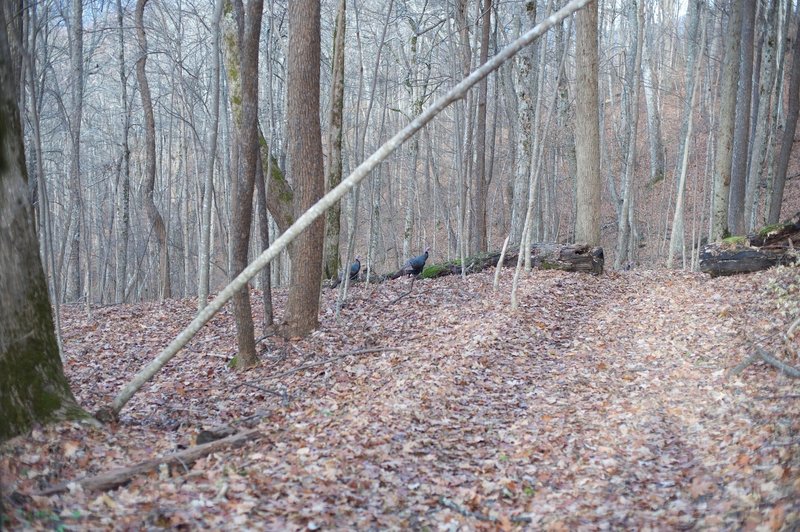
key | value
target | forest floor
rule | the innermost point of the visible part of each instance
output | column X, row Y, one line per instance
column 602, row 402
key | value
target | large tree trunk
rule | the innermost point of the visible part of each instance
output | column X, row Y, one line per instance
column 33, row 388
column 722, row 166
column 333, row 175
column 305, row 162
column 160, row 229
column 741, row 133
column 587, row 128
column 758, row 157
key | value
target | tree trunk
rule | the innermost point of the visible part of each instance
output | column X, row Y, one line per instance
column 651, row 97
column 758, row 157
column 33, row 388
column 741, row 132
column 626, row 230
column 724, row 155
column 204, row 256
column 787, row 142
column 481, row 179
column 587, row 128
column 75, row 289
column 148, row 187
column 124, row 192
column 305, row 162
column 333, row 175
column 243, row 205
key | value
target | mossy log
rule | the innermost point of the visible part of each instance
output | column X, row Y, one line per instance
column 770, row 246
column 544, row 256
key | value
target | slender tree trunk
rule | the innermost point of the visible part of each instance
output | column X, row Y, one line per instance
column 481, row 180
column 333, row 175
column 587, row 128
column 677, row 240
column 626, row 230
column 651, row 96
column 776, row 199
column 243, row 206
column 124, row 191
column 525, row 85
column 305, row 160
column 148, row 187
column 75, row 119
column 204, row 259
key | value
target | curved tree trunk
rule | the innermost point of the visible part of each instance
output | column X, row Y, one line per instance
column 160, row 229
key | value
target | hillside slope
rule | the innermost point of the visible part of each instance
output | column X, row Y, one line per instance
column 602, row 401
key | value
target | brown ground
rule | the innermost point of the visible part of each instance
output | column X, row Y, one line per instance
column 602, row 402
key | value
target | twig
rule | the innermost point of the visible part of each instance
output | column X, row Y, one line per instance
column 404, row 294
column 332, row 359
column 447, row 503
column 282, row 394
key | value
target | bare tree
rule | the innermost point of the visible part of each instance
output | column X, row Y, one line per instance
column 305, row 163
column 587, row 128
column 722, row 165
column 153, row 215
column 481, row 185
column 333, row 173
column 776, row 198
column 75, row 119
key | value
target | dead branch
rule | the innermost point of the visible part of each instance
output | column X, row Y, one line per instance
column 117, row 477
column 333, row 359
column 404, row 294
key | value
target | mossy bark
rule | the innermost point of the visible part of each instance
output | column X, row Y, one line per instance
column 33, row 388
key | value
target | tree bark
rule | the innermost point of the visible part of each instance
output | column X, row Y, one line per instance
column 776, row 199
column 741, row 133
column 75, row 288
column 243, row 205
column 481, row 179
column 33, row 388
column 587, row 128
column 153, row 215
column 758, row 157
column 724, row 160
column 305, row 162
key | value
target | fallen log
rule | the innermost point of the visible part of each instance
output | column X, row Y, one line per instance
column 117, row 477
column 544, row 256
column 771, row 246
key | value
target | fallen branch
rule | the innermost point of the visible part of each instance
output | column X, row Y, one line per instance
column 117, row 477
column 333, row 359
column 447, row 503
column 783, row 366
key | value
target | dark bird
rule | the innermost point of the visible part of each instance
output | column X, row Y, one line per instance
column 415, row 265
column 355, row 268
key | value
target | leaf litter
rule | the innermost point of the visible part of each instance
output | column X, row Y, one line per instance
column 602, row 402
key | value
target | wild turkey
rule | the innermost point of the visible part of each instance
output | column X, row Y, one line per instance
column 415, row 265
column 354, row 269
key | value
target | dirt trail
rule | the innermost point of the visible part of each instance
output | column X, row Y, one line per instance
column 600, row 402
